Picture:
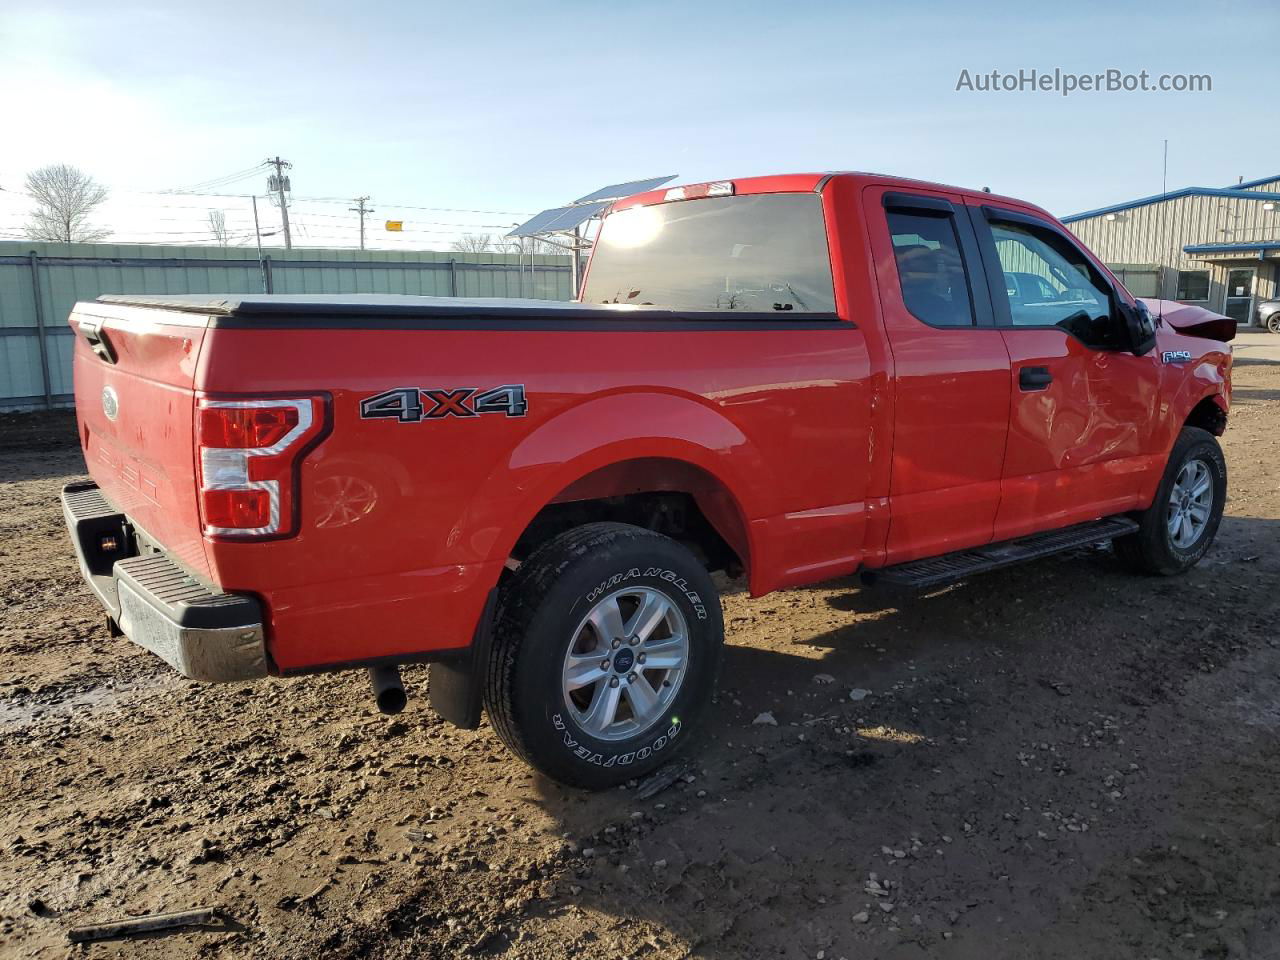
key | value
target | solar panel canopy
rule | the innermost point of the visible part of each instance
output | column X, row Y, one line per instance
column 558, row 219
column 563, row 219
column 616, row 190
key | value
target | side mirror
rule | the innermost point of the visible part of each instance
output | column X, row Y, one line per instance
column 1139, row 327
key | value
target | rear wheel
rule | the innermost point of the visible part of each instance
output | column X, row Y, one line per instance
column 605, row 654
column 1179, row 526
column 1273, row 322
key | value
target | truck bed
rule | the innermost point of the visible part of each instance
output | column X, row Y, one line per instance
column 406, row 522
column 407, row 312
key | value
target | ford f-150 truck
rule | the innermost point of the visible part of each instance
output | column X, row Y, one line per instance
column 793, row 377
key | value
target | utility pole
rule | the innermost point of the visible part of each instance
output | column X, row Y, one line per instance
column 576, row 263
column 280, row 183
column 257, row 232
column 362, row 210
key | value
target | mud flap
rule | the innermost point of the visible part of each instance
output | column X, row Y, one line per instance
column 453, row 686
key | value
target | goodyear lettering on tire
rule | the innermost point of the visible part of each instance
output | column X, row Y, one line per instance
column 600, row 759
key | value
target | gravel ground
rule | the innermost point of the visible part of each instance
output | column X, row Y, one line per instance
column 1055, row 761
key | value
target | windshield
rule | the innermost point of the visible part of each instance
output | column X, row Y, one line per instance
column 752, row 253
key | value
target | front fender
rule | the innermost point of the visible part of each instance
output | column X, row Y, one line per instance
column 1208, row 375
column 1183, row 386
column 606, row 430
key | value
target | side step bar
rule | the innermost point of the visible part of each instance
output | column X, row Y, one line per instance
column 951, row 567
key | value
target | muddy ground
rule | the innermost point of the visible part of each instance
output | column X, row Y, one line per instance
column 1058, row 761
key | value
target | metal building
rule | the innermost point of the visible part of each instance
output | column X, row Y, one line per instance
column 1216, row 247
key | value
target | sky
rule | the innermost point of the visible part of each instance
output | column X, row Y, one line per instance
column 466, row 117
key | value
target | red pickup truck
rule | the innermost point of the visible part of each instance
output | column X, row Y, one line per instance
column 796, row 377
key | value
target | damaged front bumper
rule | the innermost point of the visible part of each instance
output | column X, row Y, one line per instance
column 201, row 632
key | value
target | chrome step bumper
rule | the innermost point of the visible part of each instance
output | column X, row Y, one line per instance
column 201, row 632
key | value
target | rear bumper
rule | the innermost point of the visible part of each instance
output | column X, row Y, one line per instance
column 202, row 633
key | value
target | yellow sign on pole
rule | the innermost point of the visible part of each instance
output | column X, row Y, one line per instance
column 395, row 226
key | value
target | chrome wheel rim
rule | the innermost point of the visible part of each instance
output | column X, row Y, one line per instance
column 625, row 664
column 1190, row 503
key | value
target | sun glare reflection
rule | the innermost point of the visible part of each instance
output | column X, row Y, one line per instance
column 633, row 227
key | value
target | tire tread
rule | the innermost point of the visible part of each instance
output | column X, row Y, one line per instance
column 517, row 604
column 1146, row 551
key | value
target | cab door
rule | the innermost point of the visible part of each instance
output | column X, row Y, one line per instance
column 950, row 373
column 1082, row 406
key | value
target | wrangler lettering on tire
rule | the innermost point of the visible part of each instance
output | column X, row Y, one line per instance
column 605, row 654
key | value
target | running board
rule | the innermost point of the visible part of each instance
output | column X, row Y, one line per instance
column 950, row 567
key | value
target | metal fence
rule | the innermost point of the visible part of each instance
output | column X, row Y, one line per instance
column 40, row 282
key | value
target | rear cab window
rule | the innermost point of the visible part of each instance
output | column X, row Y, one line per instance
column 931, row 270
column 761, row 253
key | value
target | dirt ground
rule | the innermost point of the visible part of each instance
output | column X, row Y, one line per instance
column 1058, row 761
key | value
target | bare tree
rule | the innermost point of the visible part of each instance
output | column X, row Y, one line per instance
column 523, row 245
column 218, row 227
column 65, row 198
column 473, row 243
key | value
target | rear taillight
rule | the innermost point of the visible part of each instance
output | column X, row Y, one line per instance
column 249, row 451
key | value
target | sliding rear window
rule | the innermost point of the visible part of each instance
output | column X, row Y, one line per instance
column 756, row 254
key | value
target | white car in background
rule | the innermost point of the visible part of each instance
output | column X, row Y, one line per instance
column 1269, row 315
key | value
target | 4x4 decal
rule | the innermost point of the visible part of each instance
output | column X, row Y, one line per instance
column 412, row 405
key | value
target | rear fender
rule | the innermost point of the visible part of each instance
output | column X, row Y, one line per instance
column 576, row 444
column 606, row 431
column 572, row 446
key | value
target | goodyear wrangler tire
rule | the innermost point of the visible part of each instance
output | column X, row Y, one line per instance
column 1179, row 526
column 605, row 654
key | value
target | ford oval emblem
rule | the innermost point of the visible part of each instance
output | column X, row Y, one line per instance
column 110, row 403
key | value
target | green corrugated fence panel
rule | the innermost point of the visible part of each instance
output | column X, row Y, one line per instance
column 17, row 305
column 63, row 284
column 20, row 366
column 59, row 348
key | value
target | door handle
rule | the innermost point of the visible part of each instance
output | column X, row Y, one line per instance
column 1034, row 378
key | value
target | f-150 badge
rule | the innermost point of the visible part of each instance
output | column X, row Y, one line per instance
column 1177, row 356
column 413, row 405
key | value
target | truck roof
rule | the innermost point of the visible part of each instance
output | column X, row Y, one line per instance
column 815, row 182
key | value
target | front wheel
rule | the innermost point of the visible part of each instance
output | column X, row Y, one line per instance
column 1273, row 322
column 605, row 654
column 1179, row 526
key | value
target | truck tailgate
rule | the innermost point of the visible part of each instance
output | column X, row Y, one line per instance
column 135, row 371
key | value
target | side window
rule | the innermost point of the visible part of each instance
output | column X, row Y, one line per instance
column 1049, row 282
column 930, row 268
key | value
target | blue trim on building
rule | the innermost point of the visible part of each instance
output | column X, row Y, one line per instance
column 1230, row 247
column 1254, row 183
column 1175, row 195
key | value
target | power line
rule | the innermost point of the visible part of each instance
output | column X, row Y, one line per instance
column 297, row 199
column 246, row 211
column 293, row 198
column 326, row 229
column 223, row 181
column 406, row 206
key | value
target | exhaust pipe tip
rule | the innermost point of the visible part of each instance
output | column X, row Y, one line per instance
column 388, row 691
